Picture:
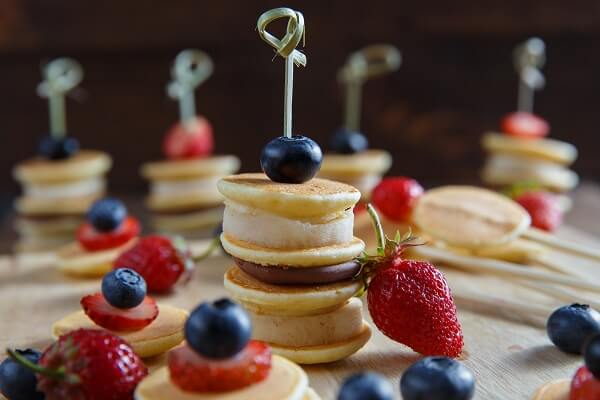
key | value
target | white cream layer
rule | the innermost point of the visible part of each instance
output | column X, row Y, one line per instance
column 183, row 187
column 81, row 188
column 268, row 230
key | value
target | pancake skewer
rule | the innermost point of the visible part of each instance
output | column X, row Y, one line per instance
column 551, row 240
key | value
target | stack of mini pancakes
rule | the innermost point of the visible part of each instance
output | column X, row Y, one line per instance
column 294, row 249
column 56, row 196
column 363, row 170
column 542, row 161
column 183, row 193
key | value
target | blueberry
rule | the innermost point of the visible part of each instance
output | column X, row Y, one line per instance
column 18, row 382
column 348, row 142
column 107, row 214
column 366, row 386
column 218, row 330
column 591, row 355
column 58, row 148
column 123, row 288
column 291, row 160
column 568, row 327
column 437, row 378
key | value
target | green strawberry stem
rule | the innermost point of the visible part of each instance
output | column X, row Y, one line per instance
column 378, row 230
column 212, row 246
column 58, row 374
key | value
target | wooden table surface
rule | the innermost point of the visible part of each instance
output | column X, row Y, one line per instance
column 510, row 358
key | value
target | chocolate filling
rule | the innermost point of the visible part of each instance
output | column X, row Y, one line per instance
column 286, row 275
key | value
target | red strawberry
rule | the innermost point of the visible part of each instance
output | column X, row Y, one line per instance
column 410, row 301
column 584, row 385
column 158, row 259
column 359, row 208
column 119, row 319
column 190, row 140
column 396, row 197
column 88, row 364
column 525, row 125
column 544, row 209
column 94, row 240
column 192, row 372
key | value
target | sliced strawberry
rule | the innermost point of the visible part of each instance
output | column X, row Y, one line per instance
column 94, row 240
column 525, row 125
column 116, row 319
column 192, row 372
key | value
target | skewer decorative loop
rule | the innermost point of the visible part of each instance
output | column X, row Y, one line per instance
column 529, row 57
column 60, row 77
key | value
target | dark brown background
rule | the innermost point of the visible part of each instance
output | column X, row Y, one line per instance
column 456, row 80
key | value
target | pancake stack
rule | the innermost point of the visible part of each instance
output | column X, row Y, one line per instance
column 294, row 250
column 183, row 193
column 541, row 161
column 363, row 170
column 56, row 196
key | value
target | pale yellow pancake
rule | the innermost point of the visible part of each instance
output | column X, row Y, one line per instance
column 48, row 226
column 189, row 169
column 190, row 201
column 164, row 333
column 188, row 222
column 467, row 216
column 74, row 260
column 85, row 164
column 41, row 244
column 264, row 298
column 300, row 258
column 555, row 390
column 32, row 206
column 314, row 198
column 286, row 381
column 543, row 149
column 346, row 166
column 325, row 353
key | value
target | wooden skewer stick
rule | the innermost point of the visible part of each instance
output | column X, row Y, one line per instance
column 560, row 293
column 562, row 244
column 501, row 268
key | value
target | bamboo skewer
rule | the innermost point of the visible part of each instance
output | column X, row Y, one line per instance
column 562, row 244
column 560, row 293
column 502, row 268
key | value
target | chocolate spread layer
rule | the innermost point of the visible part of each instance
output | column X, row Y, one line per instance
column 285, row 275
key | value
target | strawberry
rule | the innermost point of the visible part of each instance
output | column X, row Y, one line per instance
column 544, row 209
column 524, row 125
column 359, row 208
column 103, row 314
column 396, row 197
column 192, row 372
column 410, row 301
column 158, row 259
column 87, row 364
column 193, row 139
column 584, row 385
column 94, row 240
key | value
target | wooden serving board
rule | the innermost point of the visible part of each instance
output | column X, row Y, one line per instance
column 509, row 358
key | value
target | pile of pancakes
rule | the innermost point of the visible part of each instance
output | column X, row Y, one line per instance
column 56, row 196
column 183, row 194
column 294, row 249
column 362, row 170
column 542, row 161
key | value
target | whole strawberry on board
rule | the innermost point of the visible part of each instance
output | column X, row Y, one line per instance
column 544, row 209
column 395, row 197
column 409, row 301
column 87, row 364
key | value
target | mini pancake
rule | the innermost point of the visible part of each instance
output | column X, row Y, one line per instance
column 207, row 218
column 188, row 169
column 286, row 381
column 74, row 260
column 501, row 169
column 543, row 149
column 364, row 183
column 192, row 200
column 282, row 275
column 325, row 353
column 346, row 166
column 315, row 198
column 39, row 244
column 31, row 206
column 467, row 216
column 84, row 164
column 263, row 298
column 339, row 325
column 47, row 227
column 555, row 390
column 164, row 333
column 300, row 258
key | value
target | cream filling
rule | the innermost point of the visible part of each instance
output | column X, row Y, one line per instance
column 260, row 228
column 79, row 188
column 183, row 187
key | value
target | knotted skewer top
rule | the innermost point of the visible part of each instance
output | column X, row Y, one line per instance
column 529, row 57
column 295, row 32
